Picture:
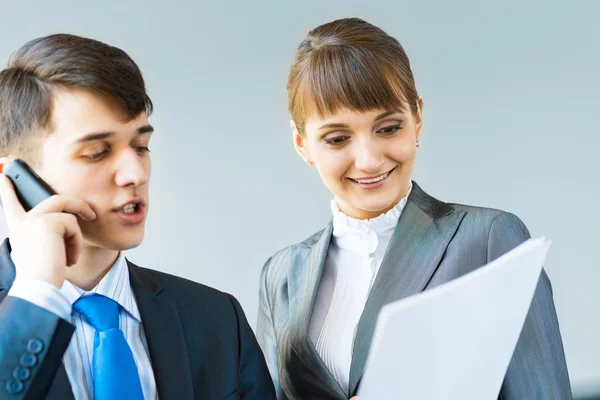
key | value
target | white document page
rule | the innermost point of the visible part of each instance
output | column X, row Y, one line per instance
column 455, row 341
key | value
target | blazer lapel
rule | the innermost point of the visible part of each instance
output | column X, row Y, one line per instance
column 166, row 344
column 418, row 243
column 162, row 327
column 61, row 387
column 303, row 279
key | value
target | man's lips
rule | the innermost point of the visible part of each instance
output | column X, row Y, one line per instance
column 136, row 202
column 132, row 213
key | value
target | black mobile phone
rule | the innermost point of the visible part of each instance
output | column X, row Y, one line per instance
column 30, row 188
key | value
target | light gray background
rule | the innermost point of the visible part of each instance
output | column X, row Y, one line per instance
column 511, row 122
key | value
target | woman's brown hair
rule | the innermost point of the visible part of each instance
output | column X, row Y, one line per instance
column 349, row 63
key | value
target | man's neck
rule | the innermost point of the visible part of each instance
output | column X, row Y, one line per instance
column 93, row 264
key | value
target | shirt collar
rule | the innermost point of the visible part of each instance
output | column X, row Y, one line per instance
column 356, row 234
column 115, row 285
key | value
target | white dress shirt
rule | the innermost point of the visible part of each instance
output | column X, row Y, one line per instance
column 79, row 355
column 353, row 259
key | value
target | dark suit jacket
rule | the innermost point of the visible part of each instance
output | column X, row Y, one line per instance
column 433, row 243
column 199, row 340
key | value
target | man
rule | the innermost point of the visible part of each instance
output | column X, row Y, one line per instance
column 78, row 320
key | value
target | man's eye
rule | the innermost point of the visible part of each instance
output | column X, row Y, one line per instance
column 95, row 156
column 142, row 149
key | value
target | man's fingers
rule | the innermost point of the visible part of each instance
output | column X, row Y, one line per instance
column 71, row 234
column 68, row 204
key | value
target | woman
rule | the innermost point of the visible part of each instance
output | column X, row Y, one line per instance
column 357, row 117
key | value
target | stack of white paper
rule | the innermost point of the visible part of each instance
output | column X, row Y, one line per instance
column 455, row 341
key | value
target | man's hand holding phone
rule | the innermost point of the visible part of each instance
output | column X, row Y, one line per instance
column 47, row 239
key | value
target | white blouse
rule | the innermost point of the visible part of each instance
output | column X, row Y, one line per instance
column 353, row 259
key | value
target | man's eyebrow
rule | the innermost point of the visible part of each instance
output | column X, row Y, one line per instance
column 90, row 137
column 145, row 129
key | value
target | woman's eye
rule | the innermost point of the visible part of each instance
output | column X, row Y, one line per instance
column 336, row 141
column 389, row 130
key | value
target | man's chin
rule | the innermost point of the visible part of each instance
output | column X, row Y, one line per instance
column 116, row 244
column 128, row 244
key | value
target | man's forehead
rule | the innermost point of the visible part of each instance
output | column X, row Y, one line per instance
column 77, row 114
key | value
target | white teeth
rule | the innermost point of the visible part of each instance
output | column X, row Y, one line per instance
column 129, row 208
column 379, row 178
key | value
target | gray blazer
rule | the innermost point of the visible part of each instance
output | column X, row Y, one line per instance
column 433, row 243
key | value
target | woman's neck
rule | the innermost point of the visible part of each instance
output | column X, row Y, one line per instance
column 361, row 214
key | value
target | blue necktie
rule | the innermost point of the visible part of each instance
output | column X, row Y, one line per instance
column 115, row 373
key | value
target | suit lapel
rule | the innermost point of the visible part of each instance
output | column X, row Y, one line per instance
column 61, row 387
column 418, row 243
column 304, row 278
column 164, row 334
column 162, row 327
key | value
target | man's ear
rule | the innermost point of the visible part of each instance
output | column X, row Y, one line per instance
column 4, row 161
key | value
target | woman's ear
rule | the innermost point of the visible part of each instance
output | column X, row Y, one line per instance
column 300, row 143
column 419, row 116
